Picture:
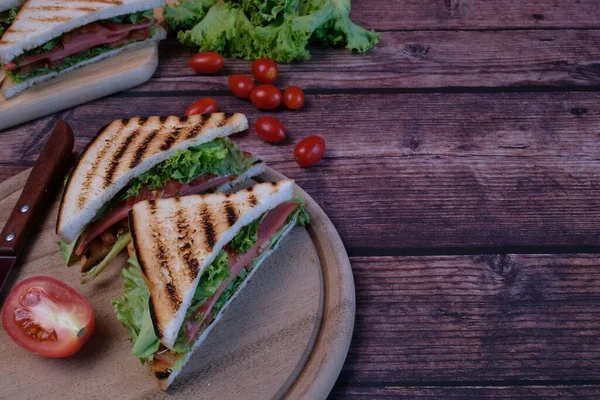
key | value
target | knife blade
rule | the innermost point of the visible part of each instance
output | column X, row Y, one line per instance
column 46, row 175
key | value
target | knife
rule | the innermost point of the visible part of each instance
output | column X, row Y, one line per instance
column 47, row 174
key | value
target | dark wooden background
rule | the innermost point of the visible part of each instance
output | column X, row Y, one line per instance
column 462, row 172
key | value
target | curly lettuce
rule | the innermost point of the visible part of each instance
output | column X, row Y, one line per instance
column 280, row 30
column 134, row 18
column 134, row 314
column 218, row 157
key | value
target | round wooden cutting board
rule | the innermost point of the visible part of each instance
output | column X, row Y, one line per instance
column 286, row 335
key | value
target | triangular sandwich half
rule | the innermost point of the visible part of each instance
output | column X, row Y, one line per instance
column 193, row 254
column 53, row 37
column 136, row 159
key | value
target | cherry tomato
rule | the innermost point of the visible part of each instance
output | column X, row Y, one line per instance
column 265, row 70
column 270, row 129
column 241, row 85
column 293, row 97
column 309, row 151
column 202, row 106
column 266, row 97
column 47, row 317
column 207, row 62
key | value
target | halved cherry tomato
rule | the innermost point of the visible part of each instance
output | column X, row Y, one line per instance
column 270, row 129
column 309, row 151
column 266, row 97
column 202, row 106
column 293, row 97
column 265, row 70
column 47, row 317
column 241, row 85
column 207, row 62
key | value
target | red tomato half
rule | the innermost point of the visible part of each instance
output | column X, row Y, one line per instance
column 265, row 70
column 241, row 85
column 293, row 97
column 266, row 97
column 202, row 106
column 270, row 129
column 309, row 151
column 47, row 317
column 207, row 62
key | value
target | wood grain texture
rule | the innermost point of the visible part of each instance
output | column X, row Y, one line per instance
column 424, row 171
column 291, row 325
column 495, row 319
column 422, row 59
column 91, row 82
column 475, row 14
column 466, row 392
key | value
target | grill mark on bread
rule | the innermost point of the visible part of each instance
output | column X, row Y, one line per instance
column 231, row 213
column 223, row 121
column 81, row 200
column 157, row 331
column 253, row 200
column 50, row 19
column 207, row 225
column 183, row 229
column 141, row 150
column 160, row 254
column 196, row 129
column 114, row 163
column 172, row 138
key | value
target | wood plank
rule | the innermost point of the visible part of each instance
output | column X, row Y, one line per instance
column 461, row 319
column 424, row 59
column 466, row 392
column 442, row 171
column 474, row 14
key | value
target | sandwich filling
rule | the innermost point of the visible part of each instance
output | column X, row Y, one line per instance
column 198, row 169
column 218, row 284
column 6, row 19
column 82, row 44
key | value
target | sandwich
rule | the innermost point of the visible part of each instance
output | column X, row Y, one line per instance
column 135, row 159
column 190, row 257
column 8, row 12
column 53, row 37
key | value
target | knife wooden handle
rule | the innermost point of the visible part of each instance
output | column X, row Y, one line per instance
column 46, row 176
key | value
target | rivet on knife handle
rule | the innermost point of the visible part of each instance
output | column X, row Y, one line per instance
column 47, row 175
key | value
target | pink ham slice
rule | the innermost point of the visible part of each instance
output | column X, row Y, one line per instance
column 172, row 189
column 274, row 221
column 86, row 37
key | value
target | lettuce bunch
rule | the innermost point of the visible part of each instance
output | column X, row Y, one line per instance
column 277, row 29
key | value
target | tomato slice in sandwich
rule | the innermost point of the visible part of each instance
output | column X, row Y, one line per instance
column 47, row 317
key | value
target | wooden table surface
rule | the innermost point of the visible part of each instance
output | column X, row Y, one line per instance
column 463, row 174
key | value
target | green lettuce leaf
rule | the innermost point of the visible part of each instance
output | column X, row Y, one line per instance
column 218, row 157
column 301, row 213
column 133, row 18
column 217, row 272
column 246, row 237
column 66, row 250
column 279, row 30
column 134, row 314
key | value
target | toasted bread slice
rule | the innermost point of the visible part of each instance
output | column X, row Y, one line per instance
column 124, row 149
column 42, row 20
column 176, row 239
